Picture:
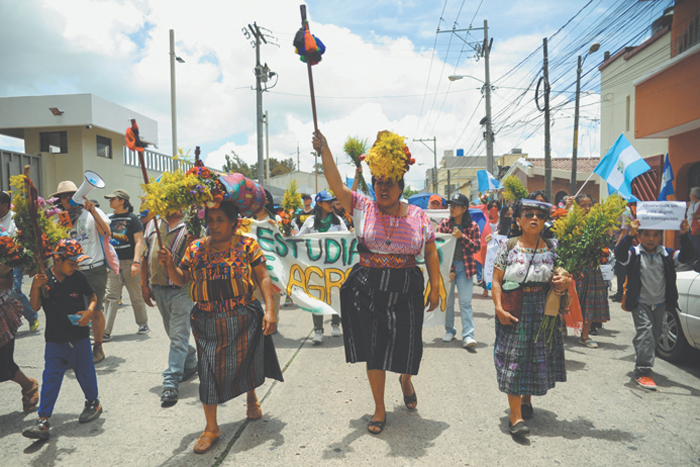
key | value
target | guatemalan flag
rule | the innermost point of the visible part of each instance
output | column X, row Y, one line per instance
column 666, row 181
column 486, row 181
column 620, row 166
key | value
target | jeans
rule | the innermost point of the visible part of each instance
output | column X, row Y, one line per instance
column 59, row 357
column 648, row 320
column 318, row 321
column 29, row 314
column 115, row 285
column 175, row 306
column 465, row 287
column 479, row 271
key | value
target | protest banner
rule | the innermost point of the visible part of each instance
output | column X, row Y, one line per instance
column 312, row 268
column 491, row 251
column 660, row 215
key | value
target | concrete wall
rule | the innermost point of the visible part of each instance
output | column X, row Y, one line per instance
column 616, row 89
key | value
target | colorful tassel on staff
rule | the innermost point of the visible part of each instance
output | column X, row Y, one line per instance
column 308, row 47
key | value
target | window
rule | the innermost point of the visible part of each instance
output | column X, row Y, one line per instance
column 104, row 147
column 55, row 142
column 627, row 113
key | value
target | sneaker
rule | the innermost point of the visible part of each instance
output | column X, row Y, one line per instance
column 97, row 354
column 469, row 343
column 448, row 337
column 188, row 374
column 647, row 382
column 40, row 431
column 318, row 337
column 169, row 396
column 34, row 325
column 143, row 329
column 106, row 337
column 92, row 410
column 336, row 331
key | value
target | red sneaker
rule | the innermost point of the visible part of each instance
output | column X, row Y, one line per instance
column 646, row 382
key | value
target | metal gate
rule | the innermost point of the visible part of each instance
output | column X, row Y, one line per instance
column 12, row 163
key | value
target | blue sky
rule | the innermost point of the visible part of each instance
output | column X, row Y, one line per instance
column 385, row 68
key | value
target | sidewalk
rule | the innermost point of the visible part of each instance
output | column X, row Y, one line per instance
column 319, row 415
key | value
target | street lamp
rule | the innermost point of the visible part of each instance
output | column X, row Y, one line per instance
column 593, row 48
column 489, row 131
column 173, row 106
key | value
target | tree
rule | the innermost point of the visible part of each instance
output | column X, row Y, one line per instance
column 408, row 191
column 320, row 168
column 234, row 164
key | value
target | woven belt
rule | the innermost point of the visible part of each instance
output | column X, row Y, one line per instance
column 534, row 289
column 375, row 260
column 92, row 266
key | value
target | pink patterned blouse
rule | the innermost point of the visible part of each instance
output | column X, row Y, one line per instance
column 410, row 233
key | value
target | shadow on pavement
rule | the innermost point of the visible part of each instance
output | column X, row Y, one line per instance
column 186, row 390
column 573, row 365
column 184, row 454
column 545, row 423
column 260, row 432
column 72, row 429
column 406, row 433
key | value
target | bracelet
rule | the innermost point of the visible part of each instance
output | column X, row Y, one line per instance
column 136, row 262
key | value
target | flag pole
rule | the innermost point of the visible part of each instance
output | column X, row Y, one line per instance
column 584, row 184
column 305, row 24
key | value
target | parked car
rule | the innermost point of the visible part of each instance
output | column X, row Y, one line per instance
column 681, row 330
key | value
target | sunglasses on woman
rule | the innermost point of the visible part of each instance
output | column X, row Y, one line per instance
column 540, row 215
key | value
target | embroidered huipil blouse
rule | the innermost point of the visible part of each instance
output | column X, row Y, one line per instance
column 515, row 264
column 222, row 280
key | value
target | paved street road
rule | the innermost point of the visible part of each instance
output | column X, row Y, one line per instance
column 318, row 416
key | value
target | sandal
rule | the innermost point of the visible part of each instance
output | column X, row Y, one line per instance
column 590, row 343
column 526, row 411
column 412, row 399
column 254, row 412
column 30, row 397
column 378, row 424
column 205, row 442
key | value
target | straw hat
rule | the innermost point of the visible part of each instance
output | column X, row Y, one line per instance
column 64, row 187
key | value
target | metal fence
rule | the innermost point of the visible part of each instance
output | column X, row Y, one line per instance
column 12, row 163
column 155, row 161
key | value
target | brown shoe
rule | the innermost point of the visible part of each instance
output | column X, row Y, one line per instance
column 30, row 397
column 97, row 354
column 205, row 442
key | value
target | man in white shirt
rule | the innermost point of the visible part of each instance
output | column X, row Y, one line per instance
column 88, row 223
column 7, row 222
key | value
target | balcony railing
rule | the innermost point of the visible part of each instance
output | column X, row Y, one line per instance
column 690, row 35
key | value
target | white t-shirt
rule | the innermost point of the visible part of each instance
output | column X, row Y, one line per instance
column 8, row 223
column 85, row 232
column 308, row 226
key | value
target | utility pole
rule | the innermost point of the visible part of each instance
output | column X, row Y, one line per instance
column 448, row 191
column 262, row 74
column 482, row 50
column 316, row 167
column 547, row 140
column 173, row 105
column 267, row 148
column 487, row 98
column 574, row 153
column 434, row 140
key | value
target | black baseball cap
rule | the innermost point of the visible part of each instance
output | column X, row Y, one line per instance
column 459, row 199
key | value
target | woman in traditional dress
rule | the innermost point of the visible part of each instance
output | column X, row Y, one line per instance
column 526, row 368
column 10, row 312
column 592, row 291
column 382, row 299
column 227, row 322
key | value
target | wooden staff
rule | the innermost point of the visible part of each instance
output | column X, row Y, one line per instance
column 139, row 147
column 305, row 25
column 32, row 195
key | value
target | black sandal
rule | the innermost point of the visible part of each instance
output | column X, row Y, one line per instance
column 526, row 411
column 378, row 424
column 408, row 399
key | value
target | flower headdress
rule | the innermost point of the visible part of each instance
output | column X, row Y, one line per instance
column 389, row 158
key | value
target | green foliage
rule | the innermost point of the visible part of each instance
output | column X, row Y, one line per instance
column 409, row 191
column 354, row 148
column 234, row 164
column 514, row 190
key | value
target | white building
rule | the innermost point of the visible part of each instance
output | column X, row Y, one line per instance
column 66, row 135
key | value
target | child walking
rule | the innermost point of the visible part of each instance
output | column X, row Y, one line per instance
column 651, row 288
column 64, row 294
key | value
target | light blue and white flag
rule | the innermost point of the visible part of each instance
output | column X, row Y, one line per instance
column 486, row 181
column 666, row 181
column 620, row 166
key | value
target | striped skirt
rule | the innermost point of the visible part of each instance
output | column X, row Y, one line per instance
column 593, row 296
column 230, row 355
column 523, row 366
column 382, row 318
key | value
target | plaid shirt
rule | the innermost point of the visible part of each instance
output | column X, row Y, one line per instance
column 470, row 241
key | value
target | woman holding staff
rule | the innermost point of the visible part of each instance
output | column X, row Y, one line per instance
column 525, row 365
column 228, row 323
column 382, row 299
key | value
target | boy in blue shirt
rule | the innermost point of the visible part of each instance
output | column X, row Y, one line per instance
column 651, row 288
column 64, row 294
